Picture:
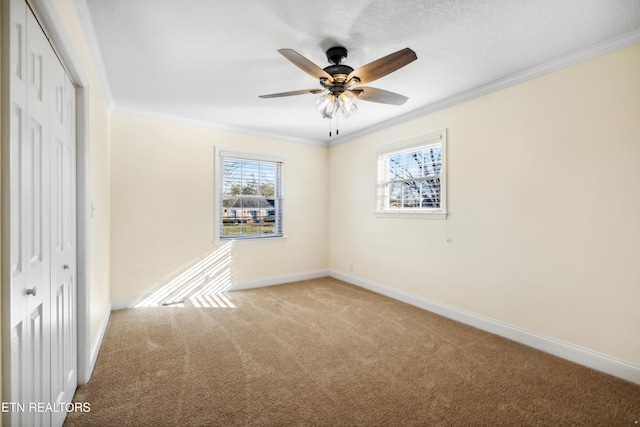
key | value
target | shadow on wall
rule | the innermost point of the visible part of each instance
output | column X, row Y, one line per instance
column 202, row 285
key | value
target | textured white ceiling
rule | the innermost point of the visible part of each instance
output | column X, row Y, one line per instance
column 208, row 61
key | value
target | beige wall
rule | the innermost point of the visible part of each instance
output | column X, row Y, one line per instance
column 99, row 114
column 162, row 203
column 544, row 202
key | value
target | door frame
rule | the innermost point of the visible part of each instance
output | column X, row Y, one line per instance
column 48, row 18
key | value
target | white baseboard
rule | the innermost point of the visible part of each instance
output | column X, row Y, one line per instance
column 95, row 349
column 121, row 304
column 278, row 280
column 592, row 359
column 244, row 284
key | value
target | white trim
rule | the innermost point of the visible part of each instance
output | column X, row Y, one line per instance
column 125, row 303
column 251, row 240
column 83, row 215
column 98, row 343
column 278, row 280
column 600, row 49
column 47, row 16
column 415, row 214
column 429, row 139
column 5, row 244
column 243, row 155
column 589, row 358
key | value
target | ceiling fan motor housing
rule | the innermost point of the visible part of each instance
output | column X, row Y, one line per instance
column 339, row 74
column 338, row 71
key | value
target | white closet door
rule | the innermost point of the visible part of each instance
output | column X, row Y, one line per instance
column 17, row 132
column 42, row 230
column 63, row 243
column 20, row 386
column 36, row 192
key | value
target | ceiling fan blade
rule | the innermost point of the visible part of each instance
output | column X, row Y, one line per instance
column 383, row 66
column 292, row 93
column 305, row 65
column 372, row 94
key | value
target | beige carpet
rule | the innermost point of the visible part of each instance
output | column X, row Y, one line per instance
column 326, row 353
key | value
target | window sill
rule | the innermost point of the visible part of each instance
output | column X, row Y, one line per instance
column 410, row 214
column 246, row 240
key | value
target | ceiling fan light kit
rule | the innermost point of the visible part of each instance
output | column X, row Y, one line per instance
column 328, row 104
column 341, row 80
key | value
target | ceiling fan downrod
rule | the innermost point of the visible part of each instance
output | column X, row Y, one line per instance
column 336, row 54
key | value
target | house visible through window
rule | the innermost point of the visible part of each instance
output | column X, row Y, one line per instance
column 250, row 196
column 411, row 178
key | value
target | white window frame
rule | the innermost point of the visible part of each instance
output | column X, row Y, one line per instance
column 432, row 139
column 221, row 154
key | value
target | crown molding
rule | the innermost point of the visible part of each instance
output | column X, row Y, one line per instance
column 600, row 49
column 609, row 46
column 94, row 48
column 213, row 125
column 47, row 15
column 87, row 26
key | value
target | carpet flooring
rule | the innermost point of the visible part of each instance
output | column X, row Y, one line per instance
column 326, row 353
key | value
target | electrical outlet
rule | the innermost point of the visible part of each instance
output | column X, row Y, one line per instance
column 350, row 267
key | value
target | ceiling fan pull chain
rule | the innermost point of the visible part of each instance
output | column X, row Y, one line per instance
column 337, row 130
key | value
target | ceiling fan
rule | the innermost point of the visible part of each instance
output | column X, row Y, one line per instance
column 341, row 81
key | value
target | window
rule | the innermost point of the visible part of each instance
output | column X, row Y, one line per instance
column 411, row 177
column 250, row 201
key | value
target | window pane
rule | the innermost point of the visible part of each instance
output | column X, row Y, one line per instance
column 267, row 179
column 231, row 228
column 411, row 194
column 232, row 179
column 395, row 195
column 396, row 169
column 433, row 161
column 430, row 191
column 250, row 177
column 413, row 165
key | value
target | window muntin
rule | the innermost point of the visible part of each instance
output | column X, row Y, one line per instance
column 411, row 177
column 250, row 197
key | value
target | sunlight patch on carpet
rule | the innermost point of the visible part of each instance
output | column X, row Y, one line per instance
column 202, row 285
